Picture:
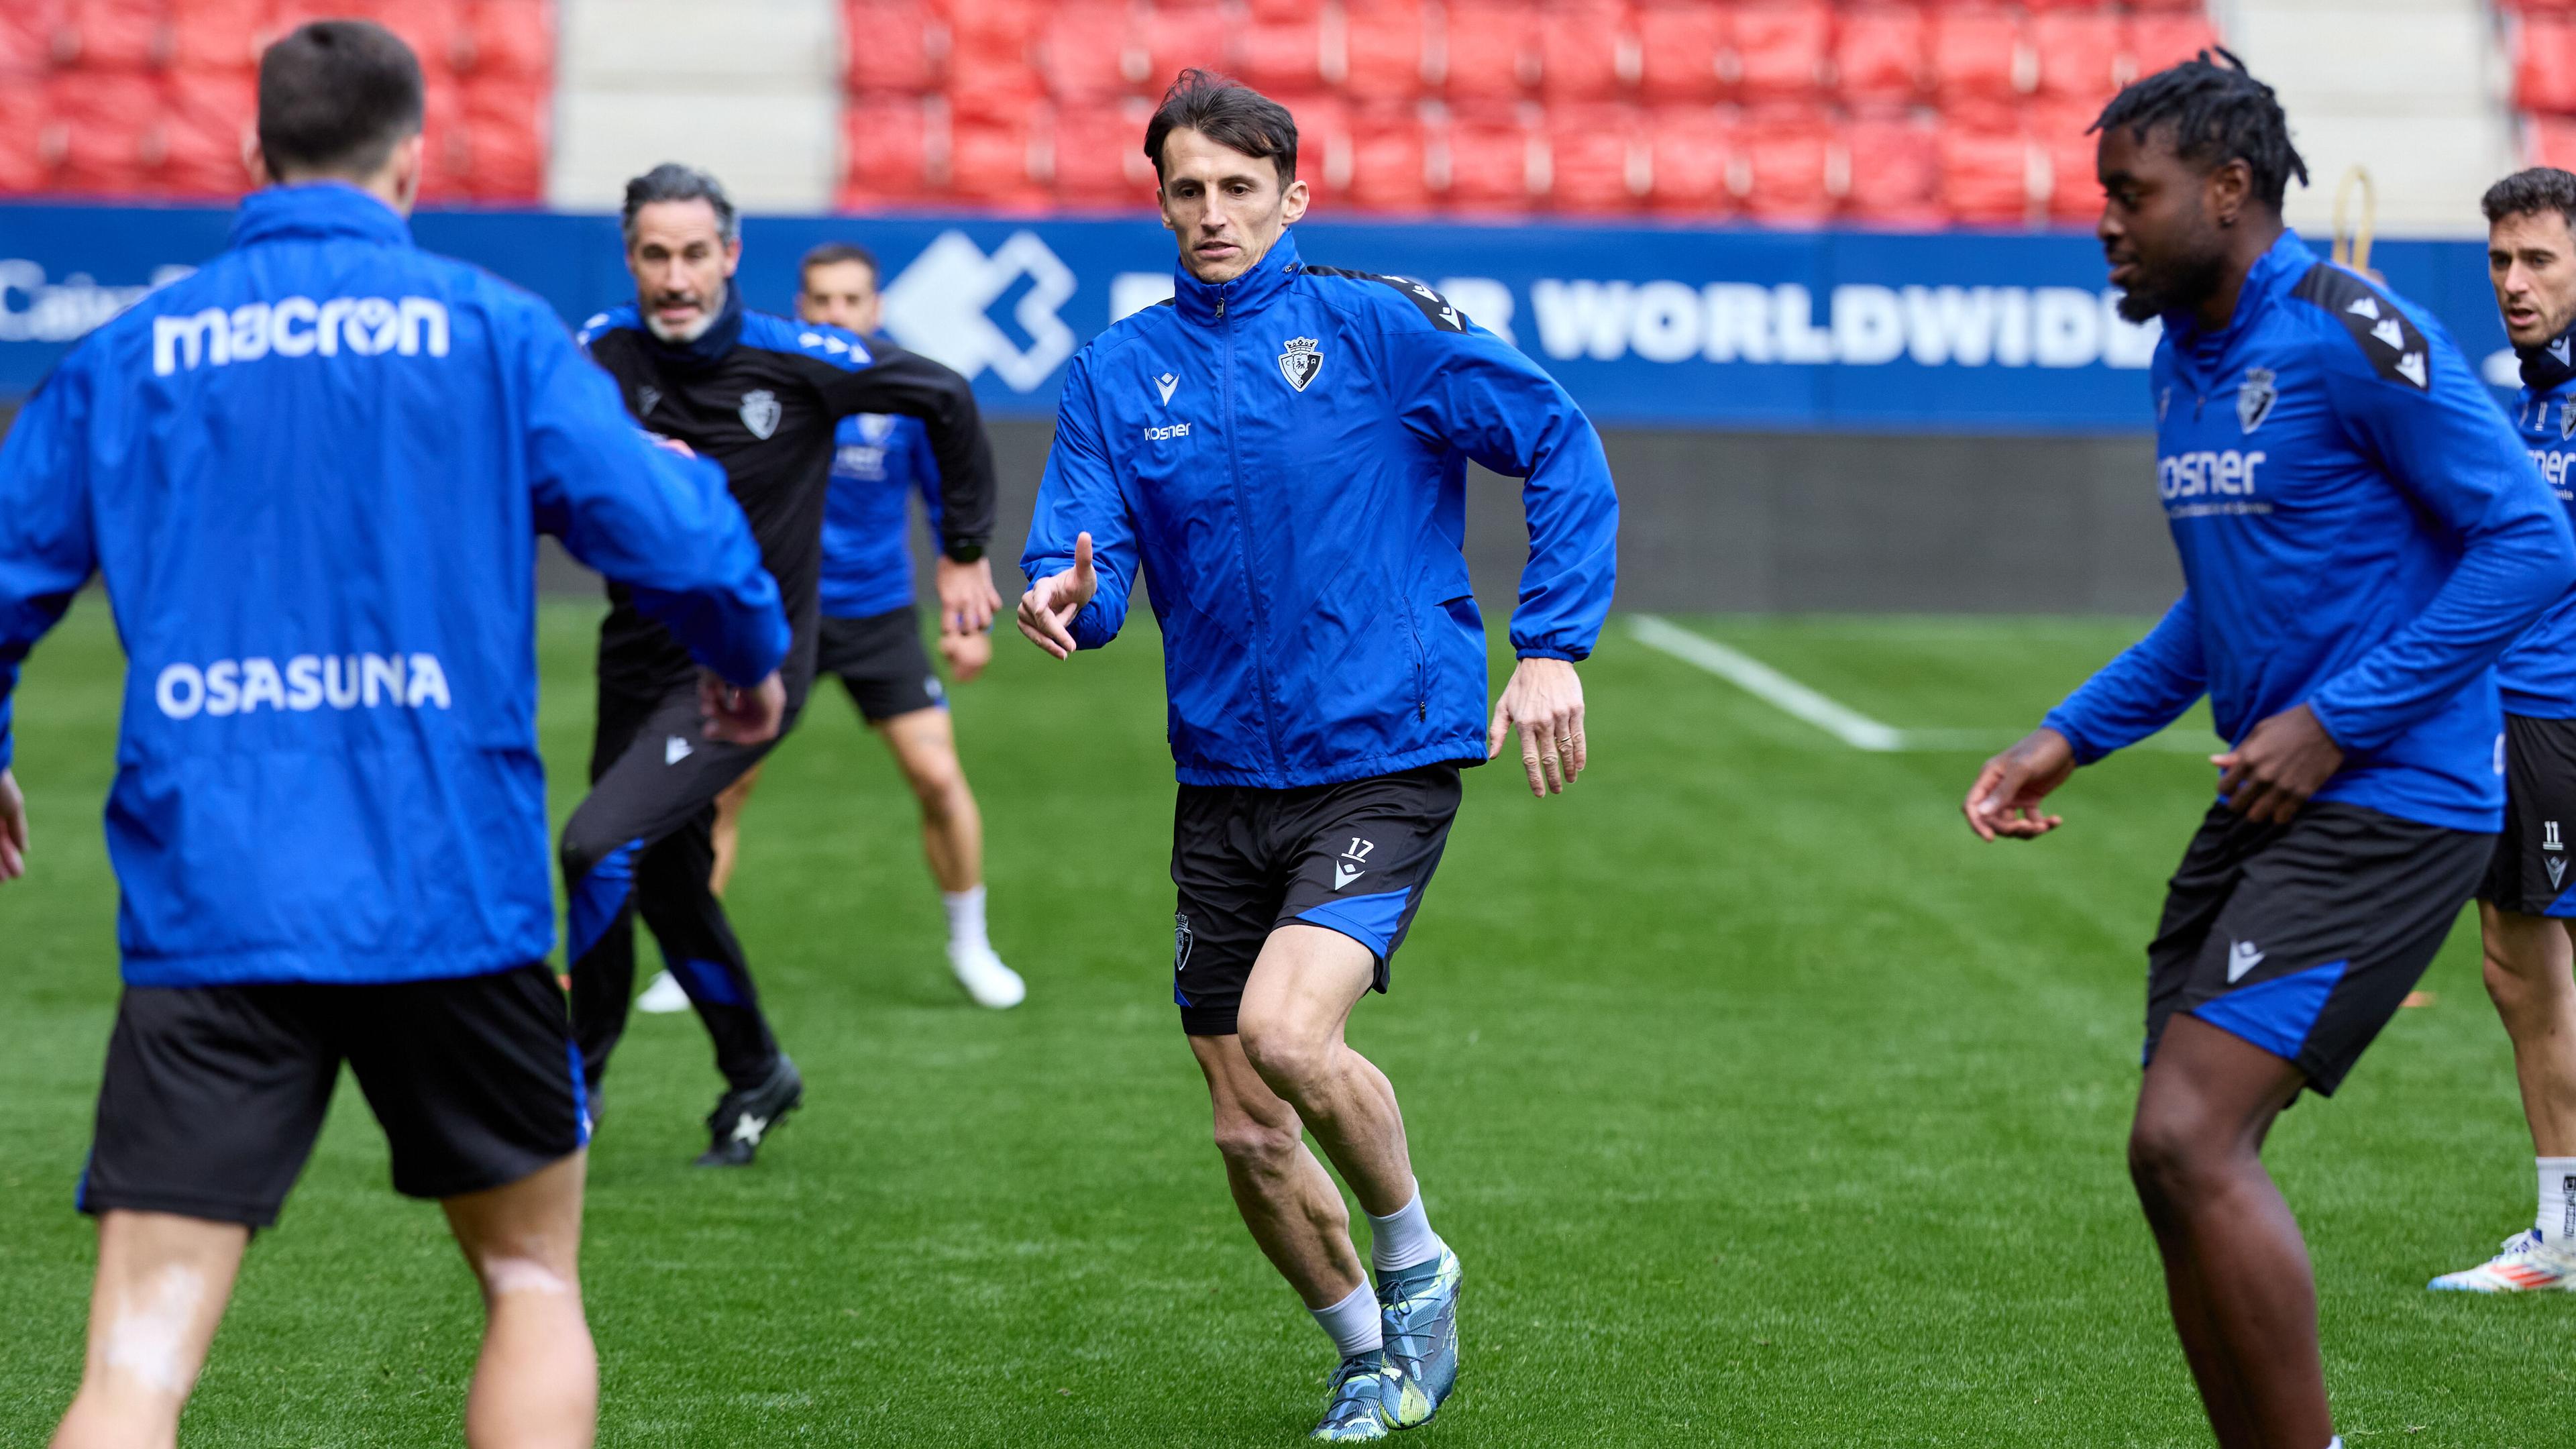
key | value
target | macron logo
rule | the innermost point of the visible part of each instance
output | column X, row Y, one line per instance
column 2242, row 956
column 299, row 327
column 355, row 681
column 675, row 749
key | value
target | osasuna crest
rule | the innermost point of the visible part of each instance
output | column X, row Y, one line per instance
column 2254, row 398
column 760, row 412
column 2566, row 421
column 1181, row 942
column 647, row 398
column 1300, row 362
column 874, row 427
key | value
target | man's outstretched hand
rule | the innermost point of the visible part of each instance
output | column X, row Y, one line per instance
column 1047, row 609
column 742, row 716
column 1545, row 702
column 2004, row 803
column 13, row 828
column 2287, row 758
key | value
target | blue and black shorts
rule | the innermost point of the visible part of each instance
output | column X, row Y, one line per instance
column 2529, row 873
column 2304, row 938
column 1353, row 857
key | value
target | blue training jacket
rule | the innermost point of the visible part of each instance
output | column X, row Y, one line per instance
column 879, row 460
column 312, row 474
column 2360, row 532
column 2538, row 673
column 1285, row 454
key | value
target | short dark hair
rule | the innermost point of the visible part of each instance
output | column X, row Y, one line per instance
column 672, row 181
column 1228, row 112
column 832, row 254
column 2217, row 114
column 336, row 96
column 2529, row 193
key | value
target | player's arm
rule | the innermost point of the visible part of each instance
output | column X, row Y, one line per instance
column 2456, row 456
column 2144, row 689
column 893, row 380
column 663, row 524
column 967, row 598
column 1463, row 386
column 46, row 554
column 1081, row 555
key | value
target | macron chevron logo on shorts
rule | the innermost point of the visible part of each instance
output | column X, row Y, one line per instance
column 2242, row 956
column 675, row 749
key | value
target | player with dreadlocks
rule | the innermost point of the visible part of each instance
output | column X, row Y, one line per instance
column 2361, row 534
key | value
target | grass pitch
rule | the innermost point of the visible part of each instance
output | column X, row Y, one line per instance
column 1764, row 1105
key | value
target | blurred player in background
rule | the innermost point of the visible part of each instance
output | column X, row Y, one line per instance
column 1283, row 449
column 871, row 637
column 2361, row 536
column 2526, row 903
column 763, row 396
column 312, row 474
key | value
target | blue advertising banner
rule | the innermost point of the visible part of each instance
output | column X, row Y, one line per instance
column 1958, row 332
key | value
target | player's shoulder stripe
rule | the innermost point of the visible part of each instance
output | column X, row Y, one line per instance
column 600, row 324
column 2389, row 339
column 1435, row 308
column 773, row 333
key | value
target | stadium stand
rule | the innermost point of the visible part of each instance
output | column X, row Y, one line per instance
column 152, row 98
column 1790, row 112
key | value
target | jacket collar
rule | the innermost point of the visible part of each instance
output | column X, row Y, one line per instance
column 2276, row 271
column 2546, row 367
column 710, row 346
column 317, row 209
column 1255, row 289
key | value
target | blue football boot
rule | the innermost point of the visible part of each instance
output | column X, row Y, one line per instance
column 1418, row 1309
column 1353, row 1414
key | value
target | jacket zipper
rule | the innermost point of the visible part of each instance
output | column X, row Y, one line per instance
column 1243, row 533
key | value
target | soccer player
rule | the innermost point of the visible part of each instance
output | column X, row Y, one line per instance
column 2527, row 902
column 1283, row 448
column 311, row 474
column 762, row 396
column 871, row 634
column 2361, row 536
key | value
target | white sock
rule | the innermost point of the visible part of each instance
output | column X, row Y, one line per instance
column 965, row 919
column 1402, row 1238
column 2335, row 1443
column 2557, row 1220
column 1353, row 1322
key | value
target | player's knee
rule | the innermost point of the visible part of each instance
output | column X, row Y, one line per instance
column 938, row 782
column 1288, row 1057
column 2174, row 1156
column 1248, row 1143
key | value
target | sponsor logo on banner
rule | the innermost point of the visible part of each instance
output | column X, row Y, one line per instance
column 940, row 307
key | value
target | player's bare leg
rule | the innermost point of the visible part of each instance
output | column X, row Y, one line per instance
column 2244, row 1298
column 162, row 1284
column 729, row 826
column 2528, row 979
column 952, row 838
column 536, row 1383
column 1286, row 1198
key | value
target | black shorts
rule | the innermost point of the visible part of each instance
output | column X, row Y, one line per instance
column 1353, row 858
column 214, row 1094
column 2304, row 938
column 2528, row 874
column 881, row 663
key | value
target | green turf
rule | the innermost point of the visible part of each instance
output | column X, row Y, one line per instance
column 1764, row 1105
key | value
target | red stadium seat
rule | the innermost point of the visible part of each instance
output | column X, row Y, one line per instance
column 27, row 32
column 112, row 34
column 1382, row 46
column 1788, row 155
column 102, row 132
column 1389, row 161
column 1007, row 26
column 2061, row 131
column 1491, row 150
column 1283, row 56
column 1880, row 53
column 1283, row 10
column 1986, row 174
column 886, row 149
column 2079, row 54
column 2547, row 141
column 2542, row 78
column 2156, row 41
column 1683, row 51
column 1323, row 141
column 894, row 45
column 1493, row 50
column 508, row 125
column 2192, row 7
column 993, row 156
column 1099, row 155
column 986, row 80
column 216, row 34
column 1180, row 34
column 1980, row 54
column 1091, row 51
column 210, row 114
column 24, row 167
column 1691, row 160
column 447, row 159
column 1588, row 51
column 1598, row 158
column 1893, row 169
column 1782, row 51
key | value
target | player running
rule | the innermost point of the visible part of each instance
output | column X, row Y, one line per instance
column 1283, row 448
column 871, row 637
column 2361, row 536
column 763, row 396
column 2525, row 906
column 312, row 473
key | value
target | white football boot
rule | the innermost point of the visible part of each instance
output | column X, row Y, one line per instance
column 663, row 997
column 985, row 978
column 2524, row 1265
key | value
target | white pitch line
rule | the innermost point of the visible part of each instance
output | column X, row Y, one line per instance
column 1833, row 716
